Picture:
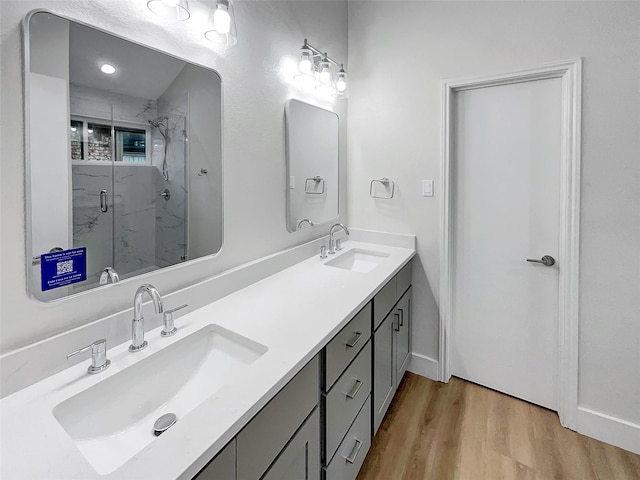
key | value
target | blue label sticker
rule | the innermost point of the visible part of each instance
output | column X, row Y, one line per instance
column 58, row 269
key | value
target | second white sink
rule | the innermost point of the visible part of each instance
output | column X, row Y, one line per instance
column 113, row 420
column 358, row 260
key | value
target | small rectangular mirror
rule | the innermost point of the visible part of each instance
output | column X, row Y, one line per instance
column 124, row 158
column 312, row 165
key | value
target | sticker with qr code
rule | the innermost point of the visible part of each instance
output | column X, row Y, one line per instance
column 58, row 269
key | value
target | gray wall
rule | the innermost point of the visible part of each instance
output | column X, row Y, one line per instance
column 399, row 135
column 256, row 75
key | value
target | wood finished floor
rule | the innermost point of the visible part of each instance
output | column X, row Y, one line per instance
column 462, row 431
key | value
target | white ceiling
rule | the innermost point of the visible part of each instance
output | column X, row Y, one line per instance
column 141, row 72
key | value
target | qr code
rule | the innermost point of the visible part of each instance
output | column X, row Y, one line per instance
column 64, row 267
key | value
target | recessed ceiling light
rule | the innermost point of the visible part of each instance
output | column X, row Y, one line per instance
column 108, row 69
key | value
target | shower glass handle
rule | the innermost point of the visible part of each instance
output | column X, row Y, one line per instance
column 104, row 206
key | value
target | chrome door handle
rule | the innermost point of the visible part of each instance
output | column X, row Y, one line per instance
column 401, row 316
column 547, row 260
column 396, row 326
column 354, row 451
column 354, row 391
column 104, row 206
column 356, row 338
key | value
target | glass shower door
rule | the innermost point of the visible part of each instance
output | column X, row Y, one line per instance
column 91, row 147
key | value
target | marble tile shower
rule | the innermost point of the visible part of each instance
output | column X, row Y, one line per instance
column 141, row 230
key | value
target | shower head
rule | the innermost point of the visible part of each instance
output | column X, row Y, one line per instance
column 159, row 122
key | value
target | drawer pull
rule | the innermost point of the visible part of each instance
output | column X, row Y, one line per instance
column 354, row 391
column 354, row 341
column 354, row 451
column 396, row 325
column 401, row 316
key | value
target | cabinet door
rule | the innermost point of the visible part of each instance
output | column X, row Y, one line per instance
column 301, row 459
column 402, row 336
column 383, row 369
column 262, row 439
column 222, row 467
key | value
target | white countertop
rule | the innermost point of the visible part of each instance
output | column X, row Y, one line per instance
column 294, row 313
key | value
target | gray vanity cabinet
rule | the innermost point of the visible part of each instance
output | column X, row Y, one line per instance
column 223, row 466
column 391, row 341
column 383, row 370
column 300, row 460
column 346, row 398
column 402, row 335
column 261, row 442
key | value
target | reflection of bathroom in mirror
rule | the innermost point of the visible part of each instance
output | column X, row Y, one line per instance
column 124, row 148
column 312, row 165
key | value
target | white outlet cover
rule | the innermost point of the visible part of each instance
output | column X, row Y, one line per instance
column 427, row 188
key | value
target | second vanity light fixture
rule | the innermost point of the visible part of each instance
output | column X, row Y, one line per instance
column 221, row 24
column 316, row 68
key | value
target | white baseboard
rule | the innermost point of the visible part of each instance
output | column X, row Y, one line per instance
column 425, row 366
column 609, row 429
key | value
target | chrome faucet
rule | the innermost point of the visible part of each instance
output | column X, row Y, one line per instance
column 137, row 325
column 109, row 274
column 302, row 222
column 335, row 244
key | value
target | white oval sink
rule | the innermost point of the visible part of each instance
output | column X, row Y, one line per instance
column 113, row 420
column 358, row 260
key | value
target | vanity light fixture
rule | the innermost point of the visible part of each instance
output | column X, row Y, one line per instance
column 107, row 69
column 342, row 87
column 222, row 23
column 175, row 10
column 316, row 67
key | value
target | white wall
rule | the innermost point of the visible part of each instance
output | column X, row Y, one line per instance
column 257, row 83
column 401, row 51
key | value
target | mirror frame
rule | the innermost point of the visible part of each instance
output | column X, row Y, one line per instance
column 287, row 169
column 26, row 59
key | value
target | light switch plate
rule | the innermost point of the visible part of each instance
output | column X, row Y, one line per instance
column 427, row 188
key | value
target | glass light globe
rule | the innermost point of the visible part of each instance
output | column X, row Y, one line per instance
column 221, row 20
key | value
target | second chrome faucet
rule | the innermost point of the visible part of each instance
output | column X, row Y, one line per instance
column 137, row 325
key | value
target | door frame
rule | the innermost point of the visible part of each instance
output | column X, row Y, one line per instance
column 570, row 72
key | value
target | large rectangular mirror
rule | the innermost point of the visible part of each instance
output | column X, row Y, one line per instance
column 124, row 158
column 312, row 165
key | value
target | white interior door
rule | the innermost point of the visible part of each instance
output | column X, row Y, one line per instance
column 505, row 173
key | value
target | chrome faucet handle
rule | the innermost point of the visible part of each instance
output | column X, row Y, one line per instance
column 168, row 328
column 99, row 361
column 338, row 244
column 323, row 251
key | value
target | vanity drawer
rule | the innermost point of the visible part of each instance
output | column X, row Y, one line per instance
column 384, row 301
column 353, row 449
column 345, row 399
column 301, row 459
column 346, row 345
column 403, row 279
column 268, row 432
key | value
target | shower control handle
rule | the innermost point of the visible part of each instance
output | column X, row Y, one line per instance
column 104, row 198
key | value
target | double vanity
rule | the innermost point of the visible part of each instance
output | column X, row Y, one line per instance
column 287, row 378
column 280, row 369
